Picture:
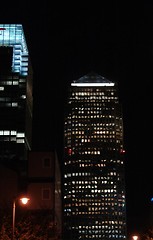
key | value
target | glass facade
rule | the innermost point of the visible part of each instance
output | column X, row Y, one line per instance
column 13, row 35
column 16, row 98
column 94, row 205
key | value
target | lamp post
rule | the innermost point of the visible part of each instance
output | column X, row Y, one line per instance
column 24, row 200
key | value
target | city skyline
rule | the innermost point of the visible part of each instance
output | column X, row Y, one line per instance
column 114, row 40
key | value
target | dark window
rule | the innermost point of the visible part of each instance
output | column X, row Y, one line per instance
column 46, row 193
column 47, row 162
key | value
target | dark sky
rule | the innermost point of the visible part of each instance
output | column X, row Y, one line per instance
column 116, row 41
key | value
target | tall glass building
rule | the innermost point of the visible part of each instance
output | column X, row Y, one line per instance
column 16, row 98
column 94, row 204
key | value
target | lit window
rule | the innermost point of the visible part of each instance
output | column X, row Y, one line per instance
column 20, row 135
column 20, row 141
column 14, row 104
column 6, row 132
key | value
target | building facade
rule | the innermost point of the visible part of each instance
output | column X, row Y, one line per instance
column 44, row 189
column 41, row 180
column 94, row 204
column 16, row 98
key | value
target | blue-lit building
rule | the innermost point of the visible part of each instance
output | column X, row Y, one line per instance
column 16, row 97
column 22, row 170
column 94, row 203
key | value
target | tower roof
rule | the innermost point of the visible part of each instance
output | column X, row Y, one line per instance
column 92, row 79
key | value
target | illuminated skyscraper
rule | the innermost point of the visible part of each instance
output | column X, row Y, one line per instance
column 16, row 100
column 94, row 205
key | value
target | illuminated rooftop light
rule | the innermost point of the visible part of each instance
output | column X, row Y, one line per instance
column 92, row 80
column 92, row 84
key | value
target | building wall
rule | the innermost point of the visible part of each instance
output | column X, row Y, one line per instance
column 8, row 187
column 44, row 187
column 37, row 167
column 41, row 180
column 35, row 193
column 58, row 197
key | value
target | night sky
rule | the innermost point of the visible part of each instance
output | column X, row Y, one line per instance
column 116, row 41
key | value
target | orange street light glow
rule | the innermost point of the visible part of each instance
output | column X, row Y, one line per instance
column 24, row 200
column 135, row 237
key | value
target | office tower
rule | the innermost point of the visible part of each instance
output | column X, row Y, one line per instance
column 94, row 205
column 16, row 100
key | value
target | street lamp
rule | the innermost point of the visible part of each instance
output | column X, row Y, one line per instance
column 24, row 200
column 135, row 237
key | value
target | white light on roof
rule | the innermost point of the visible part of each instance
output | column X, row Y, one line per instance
column 92, row 84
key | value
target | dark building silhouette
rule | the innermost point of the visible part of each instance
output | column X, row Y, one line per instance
column 94, row 204
column 44, row 187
